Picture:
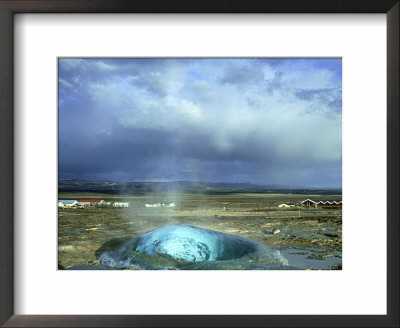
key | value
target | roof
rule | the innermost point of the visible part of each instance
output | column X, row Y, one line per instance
column 89, row 200
column 337, row 202
column 307, row 200
column 329, row 202
column 67, row 201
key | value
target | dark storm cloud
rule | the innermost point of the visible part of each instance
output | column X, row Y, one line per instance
column 276, row 83
column 136, row 151
column 233, row 120
column 242, row 75
column 331, row 97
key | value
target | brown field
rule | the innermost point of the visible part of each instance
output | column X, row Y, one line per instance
column 82, row 233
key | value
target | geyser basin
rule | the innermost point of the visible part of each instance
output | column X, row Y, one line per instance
column 179, row 246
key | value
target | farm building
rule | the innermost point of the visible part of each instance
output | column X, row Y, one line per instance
column 328, row 204
column 152, row 205
column 321, row 204
column 286, row 205
column 90, row 202
column 67, row 203
column 120, row 204
column 172, row 204
column 307, row 203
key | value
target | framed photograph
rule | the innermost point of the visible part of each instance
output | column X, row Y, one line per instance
column 187, row 164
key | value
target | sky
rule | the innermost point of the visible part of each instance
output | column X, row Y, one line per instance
column 241, row 120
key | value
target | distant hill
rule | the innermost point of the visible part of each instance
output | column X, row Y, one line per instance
column 184, row 186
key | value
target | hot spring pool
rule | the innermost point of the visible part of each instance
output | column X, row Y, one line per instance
column 188, row 248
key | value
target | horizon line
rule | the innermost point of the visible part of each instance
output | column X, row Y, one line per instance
column 266, row 185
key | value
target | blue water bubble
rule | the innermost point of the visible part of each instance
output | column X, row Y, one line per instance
column 179, row 245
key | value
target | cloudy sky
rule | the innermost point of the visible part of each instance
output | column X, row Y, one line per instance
column 264, row 121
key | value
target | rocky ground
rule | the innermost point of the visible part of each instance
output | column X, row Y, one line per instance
column 312, row 237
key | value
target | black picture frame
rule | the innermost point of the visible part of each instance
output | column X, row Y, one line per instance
column 10, row 7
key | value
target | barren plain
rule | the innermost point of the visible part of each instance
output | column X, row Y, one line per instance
column 309, row 238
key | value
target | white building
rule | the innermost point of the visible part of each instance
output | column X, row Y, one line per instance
column 172, row 204
column 286, row 205
column 153, row 205
column 90, row 202
column 67, row 203
column 120, row 204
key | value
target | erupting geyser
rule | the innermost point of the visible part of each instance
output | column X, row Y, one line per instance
column 184, row 244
